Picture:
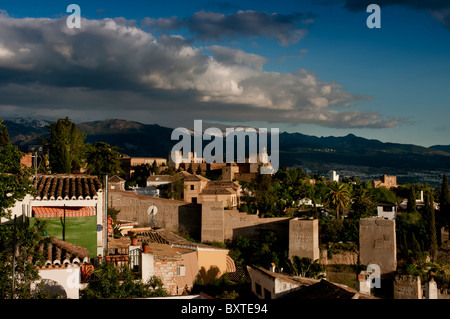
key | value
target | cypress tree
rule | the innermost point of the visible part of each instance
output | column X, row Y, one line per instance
column 405, row 245
column 444, row 200
column 431, row 224
column 415, row 247
column 411, row 207
column 66, row 146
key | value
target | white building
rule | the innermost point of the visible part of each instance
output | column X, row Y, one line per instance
column 386, row 210
column 334, row 177
column 271, row 285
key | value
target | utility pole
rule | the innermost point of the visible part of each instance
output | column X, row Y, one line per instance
column 14, row 259
column 64, row 223
column 105, row 228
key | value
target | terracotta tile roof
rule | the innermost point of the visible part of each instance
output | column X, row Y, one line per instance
column 194, row 178
column 167, row 250
column 116, row 179
column 220, row 188
column 240, row 274
column 176, row 240
column 162, row 236
column 59, row 211
column 67, row 187
column 57, row 253
column 216, row 191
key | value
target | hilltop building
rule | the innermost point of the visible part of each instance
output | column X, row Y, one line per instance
column 386, row 181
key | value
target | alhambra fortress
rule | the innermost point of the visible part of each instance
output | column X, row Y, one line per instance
column 207, row 213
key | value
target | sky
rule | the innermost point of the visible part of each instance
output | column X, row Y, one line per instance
column 313, row 67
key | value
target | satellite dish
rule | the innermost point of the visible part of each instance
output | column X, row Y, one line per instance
column 152, row 211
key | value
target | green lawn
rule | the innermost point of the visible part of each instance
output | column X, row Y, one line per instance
column 81, row 231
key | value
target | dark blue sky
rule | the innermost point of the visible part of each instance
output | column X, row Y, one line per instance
column 308, row 66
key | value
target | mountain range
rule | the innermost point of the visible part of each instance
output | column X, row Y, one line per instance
column 349, row 155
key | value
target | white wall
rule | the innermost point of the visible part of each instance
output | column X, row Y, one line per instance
column 148, row 266
column 389, row 215
column 67, row 279
column 277, row 287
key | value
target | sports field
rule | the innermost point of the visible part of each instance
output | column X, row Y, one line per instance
column 81, row 231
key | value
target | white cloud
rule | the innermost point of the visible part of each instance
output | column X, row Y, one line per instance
column 117, row 68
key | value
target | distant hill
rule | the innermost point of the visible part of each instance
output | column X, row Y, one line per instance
column 352, row 150
column 24, row 132
column 350, row 154
column 133, row 138
column 444, row 148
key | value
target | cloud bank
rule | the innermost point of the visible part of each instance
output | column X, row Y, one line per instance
column 208, row 26
column 113, row 68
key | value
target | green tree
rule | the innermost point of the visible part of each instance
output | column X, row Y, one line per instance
column 431, row 225
column 66, row 146
column 111, row 282
column 383, row 195
column 444, row 200
column 176, row 189
column 155, row 167
column 265, row 195
column 338, row 197
column 415, row 248
column 15, row 179
column 4, row 135
column 411, row 206
column 103, row 158
column 21, row 240
column 362, row 204
column 305, row 267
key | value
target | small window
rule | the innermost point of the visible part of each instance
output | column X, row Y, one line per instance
column 387, row 209
column 192, row 187
column 258, row 289
column 181, row 270
column 194, row 200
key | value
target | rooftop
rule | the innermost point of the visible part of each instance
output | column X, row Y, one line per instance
column 194, row 178
column 57, row 253
column 116, row 179
column 325, row 289
column 159, row 236
column 220, row 188
column 296, row 280
column 67, row 187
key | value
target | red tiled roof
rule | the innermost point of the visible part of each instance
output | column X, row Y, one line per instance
column 58, row 253
column 59, row 187
column 59, row 211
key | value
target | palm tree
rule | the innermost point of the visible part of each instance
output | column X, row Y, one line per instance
column 338, row 196
column 362, row 202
